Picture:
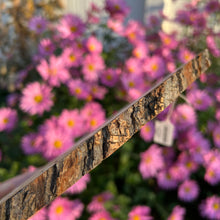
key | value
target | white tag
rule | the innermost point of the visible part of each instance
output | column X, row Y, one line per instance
column 164, row 132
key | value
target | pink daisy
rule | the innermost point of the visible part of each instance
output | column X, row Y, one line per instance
column 78, row 88
column 154, row 67
column 98, row 92
column 46, row 47
column 183, row 17
column 103, row 215
column 185, row 55
column 165, row 180
column 211, row 44
column 179, row 172
column 39, row 215
column 177, row 213
column 53, row 72
column 57, row 141
column 216, row 136
column 140, row 213
column 62, row 208
column 93, row 64
column 168, row 40
column 70, row 26
column 38, row 24
column 188, row 191
column 140, row 50
column 36, row 98
column 116, row 26
column 184, row 117
column 93, row 45
column 133, row 66
column 151, row 161
column 212, row 6
column 98, row 201
column 118, row 9
column 199, row 99
column 72, row 57
column 212, row 173
column 147, row 131
column 31, row 143
column 210, row 207
column 8, row 119
column 109, row 77
column 71, row 122
column 80, row 185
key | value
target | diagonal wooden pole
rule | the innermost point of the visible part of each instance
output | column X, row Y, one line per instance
column 57, row 176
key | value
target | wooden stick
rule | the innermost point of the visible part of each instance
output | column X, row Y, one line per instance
column 57, row 176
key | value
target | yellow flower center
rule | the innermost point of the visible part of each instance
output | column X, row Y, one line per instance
column 73, row 29
column 5, row 120
column 167, row 40
column 71, row 123
column 136, row 217
column 100, row 199
column 59, row 210
column 78, row 91
column 38, row 98
column 89, row 97
column 91, row 47
column 186, row 57
column 52, row 72
column 131, row 84
column 93, row 122
column 211, row 173
column 91, row 67
column 147, row 128
column 148, row 159
column 189, row 164
column 58, row 144
column 154, row 67
column 117, row 7
column 132, row 35
column 216, row 206
column 187, row 189
column 72, row 58
column 108, row 77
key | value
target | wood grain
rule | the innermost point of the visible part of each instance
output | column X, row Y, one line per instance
column 53, row 179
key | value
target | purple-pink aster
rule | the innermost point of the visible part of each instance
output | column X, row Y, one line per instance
column 177, row 213
column 103, row 215
column 8, row 119
column 140, row 212
column 212, row 6
column 168, row 40
column 179, row 172
column 109, row 77
column 188, row 191
column 39, row 215
column 80, row 185
column 46, row 47
column 210, row 208
column 54, row 72
column 38, row 24
column 133, row 66
column 165, row 180
column 93, row 45
column 185, row 55
column 211, row 44
column 216, row 136
column 147, row 131
column 71, row 27
column 36, row 98
column 151, row 161
column 62, row 208
column 98, row 201
column 154, row 67
column 199, row 99
column 92, row 66
column 184, row 117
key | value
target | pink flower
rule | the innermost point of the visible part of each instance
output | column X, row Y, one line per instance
column 38, row 24
column 151, row 161
column 46, row 47
column 140, row 213
column 212, row 6
column 78, row 88
column 210, row 207
column 92, row 66
column 94, row 45
column 98, row 92
column 140, row 50
column 118, row 9
column 103, row 215
column 54, row 72
column 31, row 143
column 199, row 99
column 93, row 116
column 133, row 66
column 8, row 119
column 39, row 215
column 168, row 40
column 71, row 26
column 154, row 67
column 153, row 21
column 62, row 208
column 116, row 26
column 211, row 44
column 179, row 172
column 80, row 185
column 188, row 190
column 109, row 77
column 177, row 213
column 57, row 141
column 212, row 174
column 72, row 56
column 36, row 98
column 185, row 55
column 216, row 136
column 71, row 122
column 98, row 201
column 147, row 131
column 165, row 180
column 183, row 17
column 184, row 117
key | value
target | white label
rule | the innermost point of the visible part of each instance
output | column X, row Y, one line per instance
column 164, row 132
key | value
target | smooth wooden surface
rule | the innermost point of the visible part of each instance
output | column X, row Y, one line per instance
column 57, row 176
